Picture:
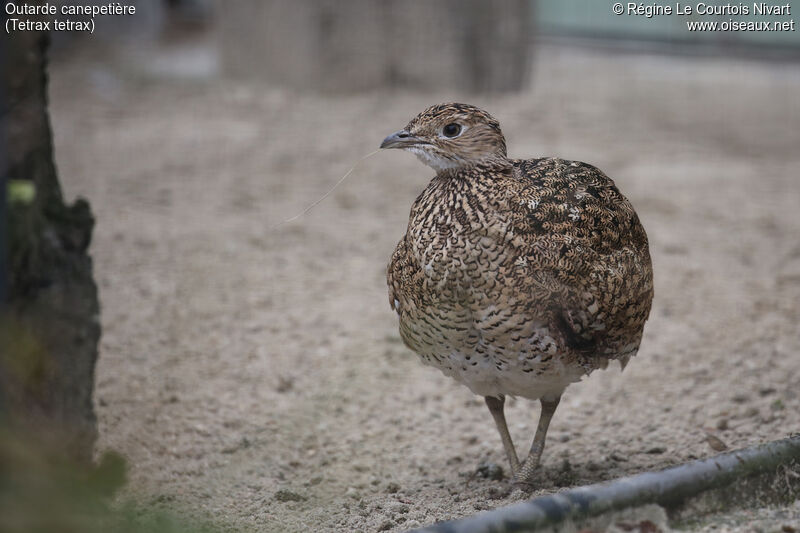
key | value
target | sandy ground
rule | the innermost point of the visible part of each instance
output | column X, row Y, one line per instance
column 256, row 375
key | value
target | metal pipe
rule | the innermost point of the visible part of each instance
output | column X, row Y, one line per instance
column 666, row 487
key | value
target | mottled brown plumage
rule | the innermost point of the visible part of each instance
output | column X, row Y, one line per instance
column 515, row 276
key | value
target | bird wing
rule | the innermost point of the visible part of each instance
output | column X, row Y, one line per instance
column 402, row 275
column 394, row 273
column 583, row 249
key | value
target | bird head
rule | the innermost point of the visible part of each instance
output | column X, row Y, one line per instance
column 451, row 136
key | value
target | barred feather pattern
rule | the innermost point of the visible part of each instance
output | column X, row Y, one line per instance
column 519, row 277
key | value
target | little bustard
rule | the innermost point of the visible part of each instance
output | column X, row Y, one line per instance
column 515, row 277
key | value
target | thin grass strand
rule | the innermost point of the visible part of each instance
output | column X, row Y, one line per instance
column 317, row 202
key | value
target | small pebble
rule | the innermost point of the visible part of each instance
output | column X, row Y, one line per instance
column 716, row 443
column 655, row 450
column 285, row 495
column 398, row 508
column 750, row 412
column 592, row 466
column 284, row 384
column 498, row 493
column 490, row 471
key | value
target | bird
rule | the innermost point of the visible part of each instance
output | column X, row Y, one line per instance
column 515, row 277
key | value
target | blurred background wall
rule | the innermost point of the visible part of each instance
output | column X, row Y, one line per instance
column 476, row 45
column 584, row 19
column 481, row 46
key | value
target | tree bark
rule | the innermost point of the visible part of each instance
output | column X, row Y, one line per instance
column 49, row 319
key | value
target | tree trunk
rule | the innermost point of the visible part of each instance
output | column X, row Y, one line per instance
column 49, row 316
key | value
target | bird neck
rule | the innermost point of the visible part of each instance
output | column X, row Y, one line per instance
column 487, row 168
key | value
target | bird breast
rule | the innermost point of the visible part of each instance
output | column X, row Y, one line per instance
column 456, row 238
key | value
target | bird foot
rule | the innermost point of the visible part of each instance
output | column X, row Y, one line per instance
column 524, row 485
column 524, row 476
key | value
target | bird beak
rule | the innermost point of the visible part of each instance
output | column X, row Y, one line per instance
column 399, row 139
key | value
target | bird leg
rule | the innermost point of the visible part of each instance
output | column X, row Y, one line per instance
column 495, row 405
column 525, row 474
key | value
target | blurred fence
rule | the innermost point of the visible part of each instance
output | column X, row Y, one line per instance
column 478, row 46
column 324, row 45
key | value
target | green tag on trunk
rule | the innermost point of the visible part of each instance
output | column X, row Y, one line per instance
column 21, row 192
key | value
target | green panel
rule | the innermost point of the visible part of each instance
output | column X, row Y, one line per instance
column 596, row 19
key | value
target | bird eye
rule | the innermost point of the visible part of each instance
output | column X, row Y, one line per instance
column 451, row 130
